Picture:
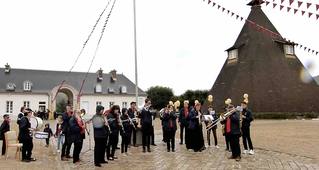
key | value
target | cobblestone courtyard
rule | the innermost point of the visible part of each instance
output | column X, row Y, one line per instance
column 280, row 144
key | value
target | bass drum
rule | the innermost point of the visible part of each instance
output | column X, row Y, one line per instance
column 36, row 123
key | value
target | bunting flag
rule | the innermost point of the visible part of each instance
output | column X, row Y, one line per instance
column 317, row 53
column 227, row 11
column 309, row 50
column 288, row 9
column 214, row 4
column 317, row 7
column 232, row 14
column 241, row 18
column 267, row 3
column 308, row 5
column 274, row 5
column 302, row 12
column 295, row 11
column 300, row 46
column 309, row 14
column 281, row 7
column 317, row 16
column 304, row 48
column 218, row 6
column 237, row 16
column 223, row 9
column 282, row 1
column 291, row 1
column 299, row 4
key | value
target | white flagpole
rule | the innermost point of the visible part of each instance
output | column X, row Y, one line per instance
column 135, row 52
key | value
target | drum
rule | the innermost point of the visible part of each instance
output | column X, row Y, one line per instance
column 36, row 123
column 41, row 135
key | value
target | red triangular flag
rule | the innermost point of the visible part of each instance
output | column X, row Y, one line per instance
column 232, row 14
column 267, row 3
column 291, row 1
column 299, row 3
column 302, row 12
column 281, row 7
column 209, row 1
column 317, row 16
column 214, row 3
column 288, row 9
column 218, row 6
column 317, row 7
column 309, row 14
column 282, row 1
column 295, row 11
column 274, row 5
column 223, row 9
column 308, row 5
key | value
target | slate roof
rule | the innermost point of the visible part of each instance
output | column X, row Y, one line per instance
column 264, row 72
column 44, row 81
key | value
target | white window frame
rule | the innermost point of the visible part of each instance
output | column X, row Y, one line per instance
column 289, row 49
column 10, row 86
column 27, row 85
column 123, row 89
column 26, row 104
column 98, row 88
column 9, row 106
column 124, row 104
column 233, row 54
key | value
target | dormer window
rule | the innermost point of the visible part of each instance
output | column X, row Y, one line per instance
column 98, row 88
column 123, row 89
column 289, row 49
column 232, row 56
column 11, row 87
column 111, row 90
column 27, row 85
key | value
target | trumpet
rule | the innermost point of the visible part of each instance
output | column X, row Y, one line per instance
column 221, row 118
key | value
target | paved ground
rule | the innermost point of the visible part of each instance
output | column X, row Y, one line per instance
column 286, row 144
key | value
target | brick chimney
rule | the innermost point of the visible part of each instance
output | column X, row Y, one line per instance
column 7, row 68
column 99, row 75
column 113, row 75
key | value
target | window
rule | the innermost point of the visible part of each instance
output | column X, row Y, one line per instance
column 111, row 104
column 123, row 89
column 232, row 54
column 27, row 86
column 289, row 49
column 26, row 104
column 124, row 104
column 9, row 107
column 98, row 88
column 111, row 90
column 11, row 86
column 98, row 103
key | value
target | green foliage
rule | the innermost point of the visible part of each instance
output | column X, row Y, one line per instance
column 160, row 96
column 61, row 105
column 192, row 95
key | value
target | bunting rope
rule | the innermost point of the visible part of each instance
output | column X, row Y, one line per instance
column 261, row 28
column 82, row 49
column 96, row 50
column 295, row 11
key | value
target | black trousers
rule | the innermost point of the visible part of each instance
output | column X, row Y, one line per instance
column 215, row 136
column 66, row 147
column 153, row 136
column 188, row 141
column 170, row 139
column 227, row 140
column 47, row 141
column 27, row 148
column 99, row 150
column 134, row 136
column 125, row 142
column 246, row 138
column 112, row 144
column 234, row 144
column 77, row 150
column 182, row 127
column 3, row 146
column 146, row 140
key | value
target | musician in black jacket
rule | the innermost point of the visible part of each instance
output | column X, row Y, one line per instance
column 5, row 127
column 169, row 127
column 233, row 127
column 115, row 124
column 25, row 137
column 183, row 123
column 247, row 118
column 146, row 123
column 101, row 131
column 195, row 128
column 132, row 112
column 213, row 129
column 127, row 124
column 66, row 147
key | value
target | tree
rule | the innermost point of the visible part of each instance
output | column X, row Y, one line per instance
column 160, row 96
column 61, row 105
column 192, row 95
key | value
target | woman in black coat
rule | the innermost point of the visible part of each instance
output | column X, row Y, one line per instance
column 169, row 127
column 5, row 127
column 195, row 128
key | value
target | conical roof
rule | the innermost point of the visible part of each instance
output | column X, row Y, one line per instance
column 265, row 72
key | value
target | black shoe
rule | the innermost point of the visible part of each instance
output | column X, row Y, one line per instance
column 144, row 150
column 68, row 156
column 98, row 165
column 104, row 162
column 154, row 144
column 26, row 160
column 181, row 143
column 148, row 149
column 173, row 150
column 168, row 150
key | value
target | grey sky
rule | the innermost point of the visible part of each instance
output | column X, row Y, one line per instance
column 181, row 43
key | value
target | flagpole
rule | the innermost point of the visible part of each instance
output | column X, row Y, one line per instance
column 135, row 53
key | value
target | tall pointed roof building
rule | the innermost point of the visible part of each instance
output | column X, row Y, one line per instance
column 266, row 68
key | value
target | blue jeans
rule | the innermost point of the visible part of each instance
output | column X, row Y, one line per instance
column 61, row 139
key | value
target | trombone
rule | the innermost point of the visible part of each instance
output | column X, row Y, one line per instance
column 221, row 118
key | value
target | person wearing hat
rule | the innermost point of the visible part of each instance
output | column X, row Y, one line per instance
column 247, row 118
column 25, row 137
column 5, row 127
column 183, row 123
column 101, row 133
